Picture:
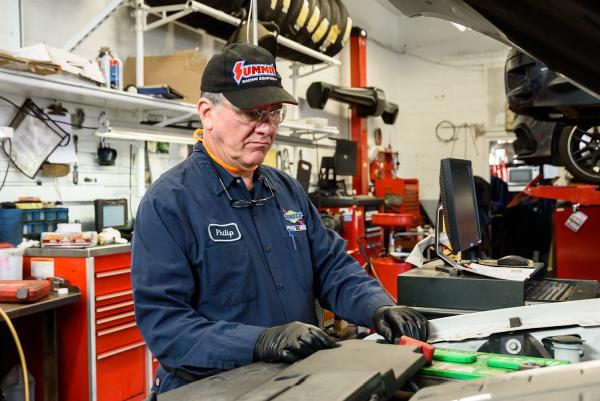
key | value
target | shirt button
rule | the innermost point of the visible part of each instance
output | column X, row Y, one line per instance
column 280, row 287
column 268, row 248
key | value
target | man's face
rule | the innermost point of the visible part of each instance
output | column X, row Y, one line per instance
column 238, row 137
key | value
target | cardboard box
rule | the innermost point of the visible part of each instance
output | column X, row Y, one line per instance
column 181, row 70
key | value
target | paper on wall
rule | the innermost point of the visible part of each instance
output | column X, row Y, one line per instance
column 31, row 145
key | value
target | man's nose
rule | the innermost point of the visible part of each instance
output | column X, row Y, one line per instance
column 265, row 127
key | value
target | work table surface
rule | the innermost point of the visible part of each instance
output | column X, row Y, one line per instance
column 53, row 300
column 101, row 250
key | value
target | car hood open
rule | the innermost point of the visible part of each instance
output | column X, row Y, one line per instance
column 564, row 35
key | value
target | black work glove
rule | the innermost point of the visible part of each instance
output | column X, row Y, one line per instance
column 290, row 342
column 392, row 322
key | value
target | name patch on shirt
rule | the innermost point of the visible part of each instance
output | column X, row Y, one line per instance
column 224, row 232
column 296, row 227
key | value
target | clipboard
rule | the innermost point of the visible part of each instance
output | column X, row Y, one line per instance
column 34, row 139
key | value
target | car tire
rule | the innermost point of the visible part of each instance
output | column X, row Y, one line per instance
column 579, row 152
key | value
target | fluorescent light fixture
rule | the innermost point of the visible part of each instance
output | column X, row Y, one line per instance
column 460, row 27
column 135, row 134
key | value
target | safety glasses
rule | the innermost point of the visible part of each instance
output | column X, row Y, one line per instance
column 275, row 116
column 242, row 203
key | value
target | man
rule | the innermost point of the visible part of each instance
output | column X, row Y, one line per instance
column 229, row 255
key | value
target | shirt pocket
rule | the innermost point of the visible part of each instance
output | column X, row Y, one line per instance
column 230, row 274
column 297, row 244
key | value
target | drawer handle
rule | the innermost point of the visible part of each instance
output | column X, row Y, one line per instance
column 114, row 306
column 120, row 350
column 115, row 329
column 113, row 273
column 113, row 295
column 115, row 317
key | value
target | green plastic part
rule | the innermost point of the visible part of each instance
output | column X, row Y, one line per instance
column 467, row 365
column 455, row 356
column 517, row 362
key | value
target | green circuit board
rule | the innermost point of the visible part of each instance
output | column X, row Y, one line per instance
column 466, row 365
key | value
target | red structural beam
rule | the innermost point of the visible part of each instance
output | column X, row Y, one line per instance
column 581, row 194
column 358, row 79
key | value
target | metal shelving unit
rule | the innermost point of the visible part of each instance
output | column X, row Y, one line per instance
column 61, row 88
column 172, row 14
column 58, row 88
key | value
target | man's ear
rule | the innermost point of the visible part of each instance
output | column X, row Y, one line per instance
column 206, row 112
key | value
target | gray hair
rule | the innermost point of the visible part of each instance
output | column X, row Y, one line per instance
column 215, row 98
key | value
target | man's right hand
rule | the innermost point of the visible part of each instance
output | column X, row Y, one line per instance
column 291, row 342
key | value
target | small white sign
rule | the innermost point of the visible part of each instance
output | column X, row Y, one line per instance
column 576, row 220
column 42, row 267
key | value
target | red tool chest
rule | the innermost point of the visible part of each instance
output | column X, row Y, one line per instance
column 101, row 353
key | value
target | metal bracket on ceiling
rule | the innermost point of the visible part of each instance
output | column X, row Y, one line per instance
column 92, row 25
column 315, row 68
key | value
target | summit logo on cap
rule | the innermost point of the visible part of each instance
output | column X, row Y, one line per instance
column 253, row 72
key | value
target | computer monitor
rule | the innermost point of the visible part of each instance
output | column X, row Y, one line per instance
column 111, row 213
column 345, row 157
column 520, row 176
column 458, row 207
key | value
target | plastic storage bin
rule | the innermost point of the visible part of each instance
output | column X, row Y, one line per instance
column 32, row 214
column 11, row 264
column 11, row 226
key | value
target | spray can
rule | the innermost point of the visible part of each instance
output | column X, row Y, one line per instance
column 103, row 61
column 116, row 73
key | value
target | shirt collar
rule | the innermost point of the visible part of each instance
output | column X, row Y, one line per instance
column 227, row 178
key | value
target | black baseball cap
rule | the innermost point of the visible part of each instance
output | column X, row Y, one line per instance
column 246, row 75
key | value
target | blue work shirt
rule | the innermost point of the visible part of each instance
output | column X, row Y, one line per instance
column 208, row 278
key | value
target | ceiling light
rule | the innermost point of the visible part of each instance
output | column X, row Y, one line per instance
column 460, row 27
column 134, row 134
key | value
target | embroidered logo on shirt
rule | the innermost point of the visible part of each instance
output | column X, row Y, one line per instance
column 295, row 218
column 224, row 232
column 292, row 216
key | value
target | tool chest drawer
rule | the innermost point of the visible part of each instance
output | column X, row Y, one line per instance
column 112, row 262
column 116, row 308
column 121, row 373
column 117, row 336
column 110, row 281
column 112, row 320
column 112, row 298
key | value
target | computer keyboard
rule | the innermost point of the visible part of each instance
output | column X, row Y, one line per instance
column 548, row 290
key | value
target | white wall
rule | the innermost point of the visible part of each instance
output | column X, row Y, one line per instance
column 428, row 91
column 10, row 34
column 435, row 80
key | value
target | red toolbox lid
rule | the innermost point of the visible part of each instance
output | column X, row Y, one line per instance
column 23, row 290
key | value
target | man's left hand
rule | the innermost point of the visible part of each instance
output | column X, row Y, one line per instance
column 392, row 322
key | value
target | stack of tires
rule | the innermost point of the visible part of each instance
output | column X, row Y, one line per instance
column 321, row 25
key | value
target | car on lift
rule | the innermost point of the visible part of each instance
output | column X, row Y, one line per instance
column 557, row 122
column 552, row 76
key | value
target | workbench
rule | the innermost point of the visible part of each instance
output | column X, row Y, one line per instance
column 46, row 366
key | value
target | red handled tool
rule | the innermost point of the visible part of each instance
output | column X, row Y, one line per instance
column 426, row 349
